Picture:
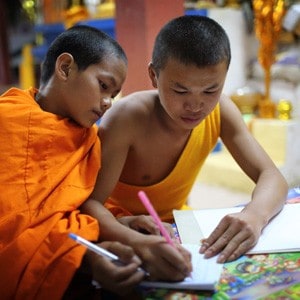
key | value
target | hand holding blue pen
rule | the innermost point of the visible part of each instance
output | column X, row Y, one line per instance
column 99, row 250
column 111, row 272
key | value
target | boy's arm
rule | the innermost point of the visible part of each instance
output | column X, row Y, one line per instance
column 237, row 233
column 159, row 258
column 115, row 141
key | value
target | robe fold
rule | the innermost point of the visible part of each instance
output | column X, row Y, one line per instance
column 173, row 191
column 49, row 166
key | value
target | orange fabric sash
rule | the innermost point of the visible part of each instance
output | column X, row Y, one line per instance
column 172, row 192
column 48, row 169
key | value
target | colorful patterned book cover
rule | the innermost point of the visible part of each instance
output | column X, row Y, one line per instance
column 263, row 276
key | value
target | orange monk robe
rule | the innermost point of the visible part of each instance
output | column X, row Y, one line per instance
column 173, row 191
column 48, row 169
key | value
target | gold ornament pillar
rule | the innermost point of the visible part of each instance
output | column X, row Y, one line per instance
column 268, row 16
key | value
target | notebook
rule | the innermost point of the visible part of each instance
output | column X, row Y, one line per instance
column 280, row 235
column 205, row 275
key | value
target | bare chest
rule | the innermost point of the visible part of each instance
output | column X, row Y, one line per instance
column 152, row 158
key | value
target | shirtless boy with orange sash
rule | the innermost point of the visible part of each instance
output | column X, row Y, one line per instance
column 158, row 140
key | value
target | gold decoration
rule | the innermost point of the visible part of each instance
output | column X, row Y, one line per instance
column 233, row 3
column 76, row 13
column 246, row 99
column 266, row 108
column 29, row 8
column 284, row 109
column 268, row 19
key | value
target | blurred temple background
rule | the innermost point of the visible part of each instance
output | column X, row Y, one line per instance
column 27, row 27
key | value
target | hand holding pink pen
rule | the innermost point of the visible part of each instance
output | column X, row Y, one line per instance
column 145, row 200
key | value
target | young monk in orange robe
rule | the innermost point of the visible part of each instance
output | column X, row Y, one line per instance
column 50, row 156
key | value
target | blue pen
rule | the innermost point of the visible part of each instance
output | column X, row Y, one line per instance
column 93, row 247
column 99, row 250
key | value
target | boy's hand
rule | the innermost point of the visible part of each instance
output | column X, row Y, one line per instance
column 120, row 279
column 234, row 236
column 163, row 261
column 145, row 224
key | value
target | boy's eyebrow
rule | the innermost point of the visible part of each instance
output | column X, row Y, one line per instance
column 177, row 84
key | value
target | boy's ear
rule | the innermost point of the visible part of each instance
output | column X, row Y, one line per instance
column 152, row 75
column 63, row 65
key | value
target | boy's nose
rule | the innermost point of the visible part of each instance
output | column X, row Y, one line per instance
column 194, row 105
column 106, row 103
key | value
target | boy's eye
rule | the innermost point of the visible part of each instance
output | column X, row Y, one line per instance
column 103, row 85
column 180, row 91
column 209, row 92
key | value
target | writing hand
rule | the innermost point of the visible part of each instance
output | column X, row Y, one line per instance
column 234, row 236
column 163, row 261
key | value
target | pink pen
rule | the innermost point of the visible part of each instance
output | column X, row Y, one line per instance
column 145, row 200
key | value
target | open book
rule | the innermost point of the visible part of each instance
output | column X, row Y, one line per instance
column 205, row 275
column 280, row 235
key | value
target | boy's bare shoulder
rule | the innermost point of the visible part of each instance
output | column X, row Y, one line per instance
column 136, row 104
column 133, row 109
column 140, row 97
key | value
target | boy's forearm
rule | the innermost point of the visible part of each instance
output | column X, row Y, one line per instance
column 268, row 196
column 110, row 228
